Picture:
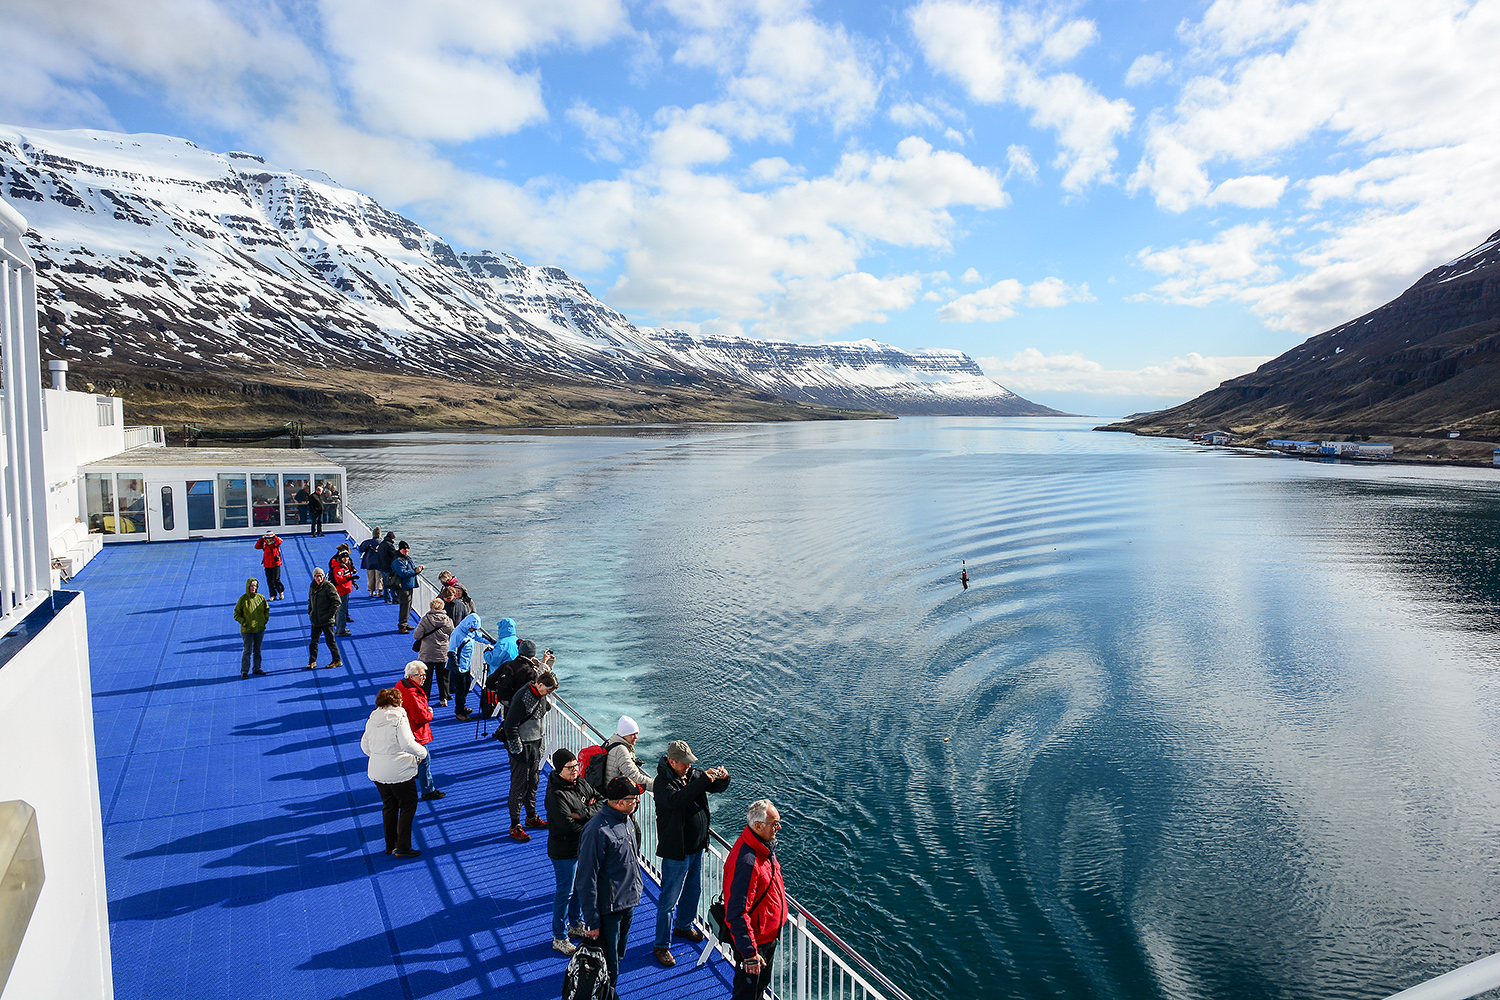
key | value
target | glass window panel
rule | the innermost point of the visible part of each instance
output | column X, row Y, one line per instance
column 332, row 485
column 234, row 508
column 200, row 504
column 294, row 489
column 265, row 500
column 99, row 488
column 130, row 492
column 168, row 515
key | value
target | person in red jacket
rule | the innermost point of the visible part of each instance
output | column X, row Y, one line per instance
column 270, row 558
column 414, row 700
column 345, row 577
column 755, row 904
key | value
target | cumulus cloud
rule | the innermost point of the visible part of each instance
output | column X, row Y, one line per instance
column 1031, row 371
column 999, row 55
column 970, row 277
column 999, row 301
column 1147, row 69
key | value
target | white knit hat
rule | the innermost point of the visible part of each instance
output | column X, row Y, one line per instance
column 626, row 726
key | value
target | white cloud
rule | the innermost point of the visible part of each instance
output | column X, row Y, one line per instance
column 685, row 143
column 1019, row 163
column 1231, row 266
column 910, row 114
column 608, row 136
column 812, row 308
column 1147, row 69
column 971, row 277
column 445, row 69
column 1031, row 371
column 1255, row 191
column 997, row 54
column 999, row 301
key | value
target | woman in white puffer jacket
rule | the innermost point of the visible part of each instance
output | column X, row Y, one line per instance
column 394, row 754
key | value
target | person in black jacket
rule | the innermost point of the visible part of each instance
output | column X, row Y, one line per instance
column 384, row 557
column 570, row 803
column 322, row 610
column 681, row 792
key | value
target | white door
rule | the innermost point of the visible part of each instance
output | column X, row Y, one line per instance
column 166, row 509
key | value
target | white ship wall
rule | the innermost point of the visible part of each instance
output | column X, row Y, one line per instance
column 46, row 700
column 72, row 436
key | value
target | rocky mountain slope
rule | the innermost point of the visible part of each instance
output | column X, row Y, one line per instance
column 1423, row 365
column 166, row 269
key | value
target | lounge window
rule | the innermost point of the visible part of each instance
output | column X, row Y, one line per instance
column 265, row 500
column 168, row 514
column 200, row 504
column 333, row 498
column 294, row 488
column 99, row 489
column 131, row 494
column 234, row 507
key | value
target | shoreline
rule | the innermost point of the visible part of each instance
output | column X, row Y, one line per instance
column 1481, row 457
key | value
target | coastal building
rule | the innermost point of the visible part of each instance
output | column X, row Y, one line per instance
column 1357, row 449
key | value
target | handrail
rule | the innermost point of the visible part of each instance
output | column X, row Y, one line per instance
column 811, row 961
column 1460, row 984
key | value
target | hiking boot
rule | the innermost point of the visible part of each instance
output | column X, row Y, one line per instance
column 335, row 663
column 536, row 823
column 313, row 665
column 564, row 946
column 692, row 934
column 434, row 794
column 413, row 853
column 259, row 672
column 664, row 956
column 463, row 714
column 244, row 676
column 516, row 833
column 576, row 930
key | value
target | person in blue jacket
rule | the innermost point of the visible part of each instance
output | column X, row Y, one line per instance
column 461, row 653
column 406, row 571
column 369, row 561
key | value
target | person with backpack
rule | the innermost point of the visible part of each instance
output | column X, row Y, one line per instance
column 608, row 878
column 524, row 734
column 385, row 555
column 513, row 675
column 461, row 656
column 621, row 761
column 682, row 817
column 755, row 904
column 369, row 561
column 431, row 646
column 570, row 804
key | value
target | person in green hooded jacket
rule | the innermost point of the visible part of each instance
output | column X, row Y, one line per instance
column 252, row 612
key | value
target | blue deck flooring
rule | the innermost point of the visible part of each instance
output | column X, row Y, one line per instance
column 242, row 839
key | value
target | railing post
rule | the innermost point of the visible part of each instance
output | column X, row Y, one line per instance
column 801, row 958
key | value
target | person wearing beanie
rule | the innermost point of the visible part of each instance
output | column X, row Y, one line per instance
column 608, row 879
column 570, row 804
column 622, row 761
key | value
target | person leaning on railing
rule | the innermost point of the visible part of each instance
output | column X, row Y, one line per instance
column 682, row 817
column 524, row 732
column 755, row 904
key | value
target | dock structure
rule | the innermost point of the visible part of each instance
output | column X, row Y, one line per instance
column 242, row 838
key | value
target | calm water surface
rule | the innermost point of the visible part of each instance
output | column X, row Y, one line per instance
column 1205, row 724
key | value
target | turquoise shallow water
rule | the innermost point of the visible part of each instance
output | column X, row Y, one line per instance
column 1206, row 724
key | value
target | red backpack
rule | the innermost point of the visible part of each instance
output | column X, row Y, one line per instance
column 591, row 763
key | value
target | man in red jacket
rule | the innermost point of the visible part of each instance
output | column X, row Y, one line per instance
column 755, row 906
column 270, row 558
column 414, row 700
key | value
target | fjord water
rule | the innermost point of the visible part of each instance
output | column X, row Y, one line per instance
column 1205, row 725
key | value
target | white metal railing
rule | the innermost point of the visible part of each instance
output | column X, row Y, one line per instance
column 1460, row 984
column 145, row 435
column 25, row 575
column 811, row 962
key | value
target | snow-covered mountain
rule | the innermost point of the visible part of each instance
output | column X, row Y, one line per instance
column 155, row 255
column 864, row 374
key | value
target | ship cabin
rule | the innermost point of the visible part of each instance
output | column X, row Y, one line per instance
column 156, row 494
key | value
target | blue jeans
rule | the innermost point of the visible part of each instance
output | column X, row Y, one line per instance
column 681, row 885
column 567, row 908
column 424, row 773
column 614, row 928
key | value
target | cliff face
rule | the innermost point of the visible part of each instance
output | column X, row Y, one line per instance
column 863, row 375
column 163, row 265
column 1423, row 364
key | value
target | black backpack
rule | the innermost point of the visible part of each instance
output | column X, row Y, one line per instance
column 587, row 977
column 511, row 676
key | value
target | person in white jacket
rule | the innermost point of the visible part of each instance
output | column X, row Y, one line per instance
column 394, row 753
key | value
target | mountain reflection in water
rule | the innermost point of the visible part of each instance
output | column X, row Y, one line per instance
column 1206, row 724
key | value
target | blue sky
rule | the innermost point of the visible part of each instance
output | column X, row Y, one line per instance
column 1112, row 206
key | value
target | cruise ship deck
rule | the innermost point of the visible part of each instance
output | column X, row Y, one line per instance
column 242, row 839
